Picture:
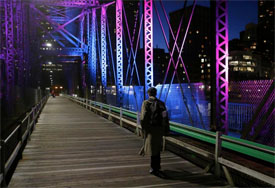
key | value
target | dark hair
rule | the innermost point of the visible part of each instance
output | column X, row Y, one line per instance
column 152, row 91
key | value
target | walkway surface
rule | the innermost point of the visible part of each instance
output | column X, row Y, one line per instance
column 73, row 147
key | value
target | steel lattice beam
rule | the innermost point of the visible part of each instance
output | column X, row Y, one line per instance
column 119, row 49
column 92, row 47
column 19, row 43
column 9, row 42
column 222, row 65
column 103, row 47
column 148, row 43
column 68, row 3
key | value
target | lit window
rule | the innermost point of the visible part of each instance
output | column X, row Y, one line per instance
column 229, row 57
column 248, row 37
column 202, row 46
column 208, row 65
column 197, row 32
column 202, row 71
column 264, row 41
column 233, row 62
column 247, row 57
column 202, row 60
column 236, row 69
column 190, row 41
column 206, row 37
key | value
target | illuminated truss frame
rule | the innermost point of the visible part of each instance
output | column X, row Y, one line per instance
column 10, row 51
column 222, row 65
column 119, row 50
column 148, row 43
column 103, row 47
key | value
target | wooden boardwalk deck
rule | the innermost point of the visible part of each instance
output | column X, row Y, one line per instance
column 73, row 147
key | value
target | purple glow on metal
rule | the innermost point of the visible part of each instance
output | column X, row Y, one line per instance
column 103, row 47
column 119, row 49
column 250, row 91
column 148, row 43
column 92, row 46
column 9, row 42
column 19, row 43
column 222, row 65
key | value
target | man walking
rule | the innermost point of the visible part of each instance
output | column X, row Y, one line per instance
column 154, row 122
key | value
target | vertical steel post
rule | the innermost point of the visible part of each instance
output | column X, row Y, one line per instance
column 148, row 43
column 19, row 43
column 103, row 48
column 92, row 47
column 119, row 51
column 222, row 66
column 9, row 42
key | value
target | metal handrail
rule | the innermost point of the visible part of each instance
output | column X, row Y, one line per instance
column 6, row 164
column 200, row 131
column 214, row 138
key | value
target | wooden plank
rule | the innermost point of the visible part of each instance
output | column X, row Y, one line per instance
column 73, row 147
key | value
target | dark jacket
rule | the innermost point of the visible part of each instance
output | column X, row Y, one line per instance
column 153, row 134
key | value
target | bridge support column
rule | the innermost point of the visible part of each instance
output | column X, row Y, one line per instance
column 148, row 43
column 119, row 51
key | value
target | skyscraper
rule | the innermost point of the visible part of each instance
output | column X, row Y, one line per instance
column 266, row 36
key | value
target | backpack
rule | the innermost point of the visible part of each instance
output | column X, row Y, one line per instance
column 156, row 114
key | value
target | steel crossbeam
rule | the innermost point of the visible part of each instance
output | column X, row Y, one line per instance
column 119, row 49
column 68, row 3
column 222, row 65
column 148, row 43
column 103, row 47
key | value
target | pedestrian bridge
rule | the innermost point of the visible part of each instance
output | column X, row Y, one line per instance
column 72, row 146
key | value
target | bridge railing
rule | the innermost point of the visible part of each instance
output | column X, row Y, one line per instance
column 12, row 146
column 220, row 142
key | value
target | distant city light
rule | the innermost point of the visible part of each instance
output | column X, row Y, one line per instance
column 51, row 71
column 60, row 87
column 50, row 63
column 48, row 44
column 55, row 87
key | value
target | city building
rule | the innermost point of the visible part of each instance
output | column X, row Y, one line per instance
column 244, row 65
column 266, row 36
column 160, row 63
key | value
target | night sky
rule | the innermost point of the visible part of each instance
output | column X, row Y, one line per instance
column 240, row 14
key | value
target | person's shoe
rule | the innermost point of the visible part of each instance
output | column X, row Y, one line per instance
column 152, row 171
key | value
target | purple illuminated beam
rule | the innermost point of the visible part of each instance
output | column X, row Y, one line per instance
column 9, row 42
column 148, row 43
column 119, row 50
column 222, row 66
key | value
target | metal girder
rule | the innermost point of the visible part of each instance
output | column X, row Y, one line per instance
column 119, row 49
column 92, row 46
column 222, row 66
column 66, row 52
column 9, row 42
column 103, row 47
column 148, row 43
column 68, row 3
column 19, row 42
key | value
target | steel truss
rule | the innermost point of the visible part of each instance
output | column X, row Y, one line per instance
column 119, row 50
column 103, row 48
column 148, row 43
column 10, row 51
column 222, row 66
